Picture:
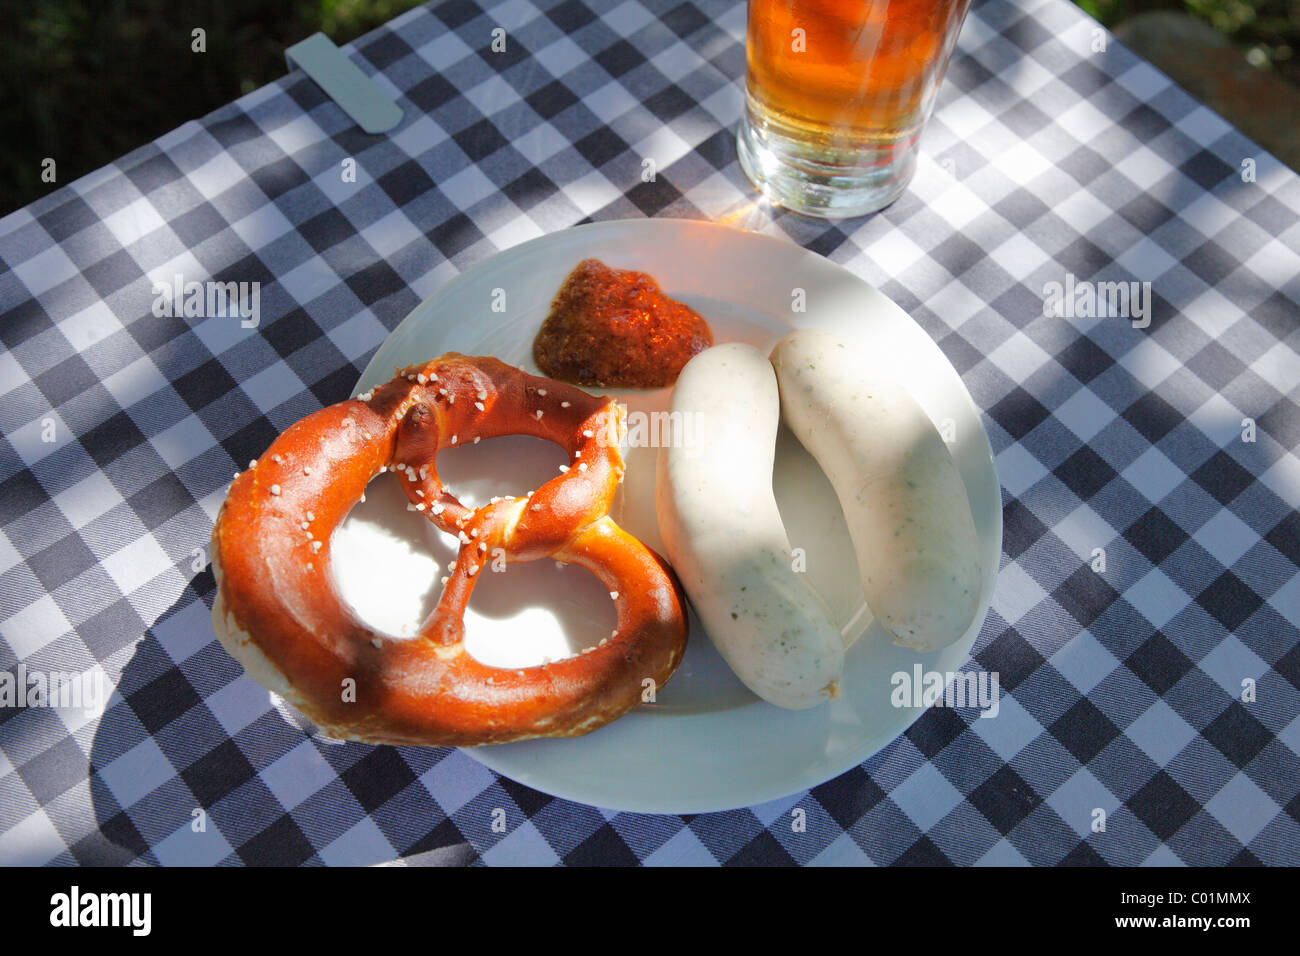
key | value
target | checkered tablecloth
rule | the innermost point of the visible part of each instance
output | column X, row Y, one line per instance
column 1161, row 690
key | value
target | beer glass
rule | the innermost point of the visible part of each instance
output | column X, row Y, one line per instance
column 836, row 94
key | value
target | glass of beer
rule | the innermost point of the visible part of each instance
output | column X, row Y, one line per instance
column 836, row 95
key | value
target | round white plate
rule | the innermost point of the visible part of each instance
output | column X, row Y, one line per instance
column 706, row 743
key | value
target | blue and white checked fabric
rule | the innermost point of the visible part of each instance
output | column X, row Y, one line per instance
column 1163, row 689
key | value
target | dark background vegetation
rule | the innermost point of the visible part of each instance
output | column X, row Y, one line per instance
column 86, row 81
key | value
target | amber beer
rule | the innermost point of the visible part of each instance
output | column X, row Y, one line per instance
column 837, row 92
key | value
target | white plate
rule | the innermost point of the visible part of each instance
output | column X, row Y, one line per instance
column 707, row 743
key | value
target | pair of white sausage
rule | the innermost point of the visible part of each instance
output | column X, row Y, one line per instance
column 724, row 535
column 903, row 500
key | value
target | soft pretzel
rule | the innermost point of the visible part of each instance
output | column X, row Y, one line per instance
column 278, row 612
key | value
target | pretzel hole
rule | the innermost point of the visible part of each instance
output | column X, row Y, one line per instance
column 532, row 611
column 388, row 563
column 509, row 465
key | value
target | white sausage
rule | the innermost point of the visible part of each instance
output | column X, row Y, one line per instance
column 724, row 536
column 902, row 497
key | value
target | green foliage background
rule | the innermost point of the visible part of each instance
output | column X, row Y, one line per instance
column 86, row 81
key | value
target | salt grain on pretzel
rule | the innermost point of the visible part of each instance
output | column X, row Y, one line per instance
column 292, row 631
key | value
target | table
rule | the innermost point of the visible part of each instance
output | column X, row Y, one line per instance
column 1159, row 694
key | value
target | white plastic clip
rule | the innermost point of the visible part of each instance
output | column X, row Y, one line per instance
column 359, row 96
